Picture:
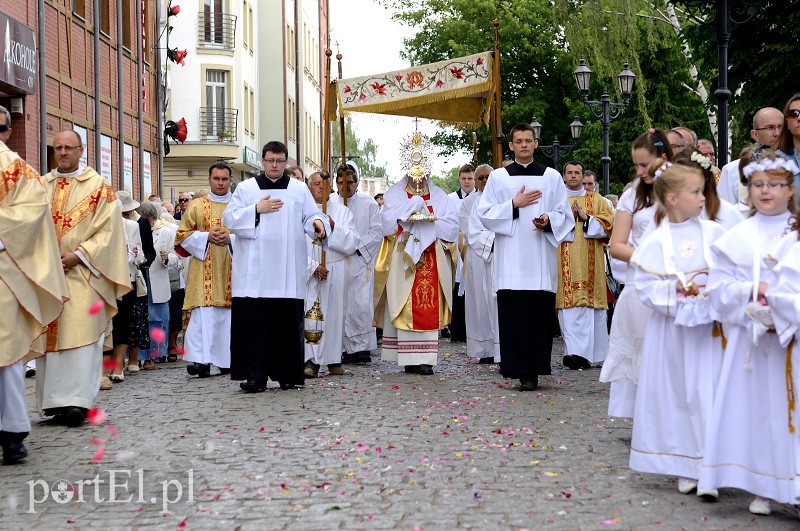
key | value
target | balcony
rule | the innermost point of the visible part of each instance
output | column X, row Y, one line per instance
column 218, row 124
column 216, row 31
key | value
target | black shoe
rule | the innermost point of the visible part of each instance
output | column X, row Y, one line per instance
column 349, row 359
column 427, row 370
column 161, row 359
column 253, row 386
column 14, row 452
column 74, row 416
column 445, row 332
column 412, row 369
column 224, row 371
column 30, row 372
column 201, row 370
column 487, row 361
column 363, row 357
column 311, row 369
column 528, row 385
column 458, row 339
column 285, row 386
column 570, row 362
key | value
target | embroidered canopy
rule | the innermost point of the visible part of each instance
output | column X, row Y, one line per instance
column 453, row 91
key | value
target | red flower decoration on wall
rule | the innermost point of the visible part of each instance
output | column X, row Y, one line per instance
column 457, row 72
column 380, row 89
column 480, row 60
column 174, row 10
column 177, row 56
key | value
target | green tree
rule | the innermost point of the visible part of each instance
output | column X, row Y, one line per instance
column 448, row 183
column 362, row 151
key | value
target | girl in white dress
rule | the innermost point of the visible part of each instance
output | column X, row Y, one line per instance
column 634, row 213
column 750, row 444
column 681, row 356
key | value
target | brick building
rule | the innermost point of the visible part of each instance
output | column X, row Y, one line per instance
column 79, row 50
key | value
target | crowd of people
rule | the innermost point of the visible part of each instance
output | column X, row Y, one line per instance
column 698, row 349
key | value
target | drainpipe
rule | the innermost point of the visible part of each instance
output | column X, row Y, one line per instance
column 97, row 107
column 120, row 102
column 42, row 91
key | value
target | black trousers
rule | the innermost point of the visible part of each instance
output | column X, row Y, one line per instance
column 458, row 324
column 267, row 340
column 525, row 319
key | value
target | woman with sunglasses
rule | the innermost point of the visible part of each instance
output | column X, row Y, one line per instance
column 788, row 144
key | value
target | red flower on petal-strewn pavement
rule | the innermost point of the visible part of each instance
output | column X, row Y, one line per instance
column 439, row 83
column 457, row 72
column 380, row 89
column 347, row 89
column 480, row 60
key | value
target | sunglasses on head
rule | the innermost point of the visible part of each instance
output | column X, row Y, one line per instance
column 4, row 128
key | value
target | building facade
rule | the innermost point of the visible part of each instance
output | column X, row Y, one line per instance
column 88, row 70
column 252, row 74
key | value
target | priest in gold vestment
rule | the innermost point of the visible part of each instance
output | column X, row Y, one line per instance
column 415, row 265
column 207, row 304
column 581, row 297
column 32, row 288
column 89, row 229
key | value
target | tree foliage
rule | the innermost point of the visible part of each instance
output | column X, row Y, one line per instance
column 362, row 151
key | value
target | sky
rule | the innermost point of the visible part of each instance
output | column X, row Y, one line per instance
column 370, row 43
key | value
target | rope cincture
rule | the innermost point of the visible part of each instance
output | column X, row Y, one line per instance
column 790, row 384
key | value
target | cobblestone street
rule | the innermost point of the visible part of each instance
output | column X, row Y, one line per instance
column 373, row 449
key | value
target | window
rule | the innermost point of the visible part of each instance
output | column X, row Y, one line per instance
column 79, row 8
column 252, row 112
column 292, row 119
column 213, row 30
column 290, row 58
column 105, row 17
column 216, row 101
column 145, row 29
column 246, row 108
column 249, row 26
column 126, row 23
column 245, row 35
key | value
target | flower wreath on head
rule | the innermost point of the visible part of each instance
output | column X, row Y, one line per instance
column 779, row 163
column 701, row 159
column 661, row 170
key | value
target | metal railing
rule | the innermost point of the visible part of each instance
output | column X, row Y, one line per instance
column 218, row 124
column 216, row 30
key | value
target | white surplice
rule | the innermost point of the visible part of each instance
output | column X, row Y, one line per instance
column 480, row 299
column 749, row 445
column 525, row 258
column 359, row 334
column 730, row 188
column 681, row 358
column 457, row 202
column 342, row 244
column 271, row 256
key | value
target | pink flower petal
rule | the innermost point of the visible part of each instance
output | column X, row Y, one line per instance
column 109, row 364
column 610, row 521
column 96, row 416
column 158, row 335
column 112, row 430
column 99, row 454
column 180, row 351
column 99, row 441
column 96, row 306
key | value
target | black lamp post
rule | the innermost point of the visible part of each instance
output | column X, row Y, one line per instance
column 605, row 109
column 556, row 149
column 728, row 14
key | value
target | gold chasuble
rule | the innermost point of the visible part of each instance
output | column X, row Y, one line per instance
column 213, row 273
column 87, row 220
column 32, row 286
column 581, row 272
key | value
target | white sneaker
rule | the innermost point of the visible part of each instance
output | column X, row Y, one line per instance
column 710, row 495
column 686, row 485
column 133, row 368
column 760, row 506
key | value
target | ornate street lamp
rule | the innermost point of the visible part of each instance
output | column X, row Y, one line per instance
column 556, row 149
column 727, row 14
column 605, row 109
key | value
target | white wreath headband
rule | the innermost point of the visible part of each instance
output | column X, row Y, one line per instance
column 701, row 159
column 778, row 163
column 661, row 170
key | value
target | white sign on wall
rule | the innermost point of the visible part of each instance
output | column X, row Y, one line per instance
column 82, row 133
column 105, row 157
column 127, row 168
column 147, row 176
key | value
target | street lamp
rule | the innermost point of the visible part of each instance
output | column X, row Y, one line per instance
column 605, row 109
column 556, row 149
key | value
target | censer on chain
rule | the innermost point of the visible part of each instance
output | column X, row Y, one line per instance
column 313, row 317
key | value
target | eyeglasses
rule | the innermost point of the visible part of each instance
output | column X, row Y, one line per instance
column 793, row 113
column 770, row 128
column 4, row 128
column 65, row 148
column 184, row 200
column 676, row 146
column 770, row 185
column 274, row 161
